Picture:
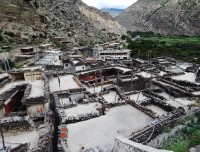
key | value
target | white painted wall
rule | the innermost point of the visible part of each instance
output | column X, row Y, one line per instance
column 28, row 76
column 35, row 110
column 80, row 68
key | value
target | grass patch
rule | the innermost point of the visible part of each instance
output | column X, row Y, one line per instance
column 178, row 145
column 167, row 129
column 170, row 40
column 189, row 137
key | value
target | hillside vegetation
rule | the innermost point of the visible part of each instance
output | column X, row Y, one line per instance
column 149, row 45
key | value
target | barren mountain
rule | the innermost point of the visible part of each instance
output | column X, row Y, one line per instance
column 112, row 11
column 179, row 17
column 34, row 20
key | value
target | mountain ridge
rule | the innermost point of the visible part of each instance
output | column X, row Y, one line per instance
column 38, row 20
column 114, row 12
column 168, row 17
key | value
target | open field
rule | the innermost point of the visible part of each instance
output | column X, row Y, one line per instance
column 174, row 39
column 183, row 48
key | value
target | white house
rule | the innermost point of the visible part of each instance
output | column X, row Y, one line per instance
column 111, row 54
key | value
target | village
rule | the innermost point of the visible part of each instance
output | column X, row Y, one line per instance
column 91, row 99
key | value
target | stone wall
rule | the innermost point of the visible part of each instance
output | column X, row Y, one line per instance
column 158, row 101
column 173, row 91
column 26, row 93
column 139, row 84
column 46, row 87
column 20, row 148
column 79, row 118
column 142, row 108
column 35, row 100
column 160, row 140
column 45, row 142
column 60, row 111
column 149, row 133
column 16, row 123
column 54, row 67
column 4, row 82
column 184, row 84
column 7, row 94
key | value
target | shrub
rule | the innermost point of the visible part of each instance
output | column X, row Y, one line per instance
column 178, row 145
column 11, row 34
column 167, row 129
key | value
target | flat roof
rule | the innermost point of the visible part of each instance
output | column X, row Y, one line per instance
column 44, row 45
column 54, row 51
column 114, row 51
column 24, row 55
column 4, row 75
column 26, row 48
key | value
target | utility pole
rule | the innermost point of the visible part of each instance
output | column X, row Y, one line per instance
column 5, row 66
column 4, row 147
column 117, row 84
column 59, row 86
column 139, row 53
column 132, row 80
column 101, row 79
column 8, row 64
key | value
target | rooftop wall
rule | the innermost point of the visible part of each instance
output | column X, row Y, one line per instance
column 123, row 144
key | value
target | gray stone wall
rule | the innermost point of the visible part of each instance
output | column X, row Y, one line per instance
column 7, row 94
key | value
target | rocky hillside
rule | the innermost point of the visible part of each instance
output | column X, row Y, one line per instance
column 179, row 17
column 32, row 21
column 112, row 11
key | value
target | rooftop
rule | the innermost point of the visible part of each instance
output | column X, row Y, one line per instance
column 36, row 90
column 117, row 121
column 66, row 82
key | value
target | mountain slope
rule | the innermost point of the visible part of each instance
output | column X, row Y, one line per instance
column 112, row 11
column 34, row 20
column 179, row 17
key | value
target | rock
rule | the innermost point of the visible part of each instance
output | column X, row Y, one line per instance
column 197, row 148
column 192, row 149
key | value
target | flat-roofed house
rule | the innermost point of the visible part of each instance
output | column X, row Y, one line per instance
column 113, row 54
column 27, row 74
column 28, row 51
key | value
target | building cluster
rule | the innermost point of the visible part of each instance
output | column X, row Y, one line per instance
column 83, row 99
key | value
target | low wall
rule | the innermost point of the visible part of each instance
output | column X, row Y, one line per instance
column 20, row 148
column 45, row 139
column 170, row 89
column 150, row 132
column 46, row 87
column 4, row 82
column 26, row 93
column 35, row 100
column 138, row 84
column 7, row 94
column 16, row 123
column 53, row 67
column 122, row 145
column 141, row 108
column 158, row 101
column 79, row 118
